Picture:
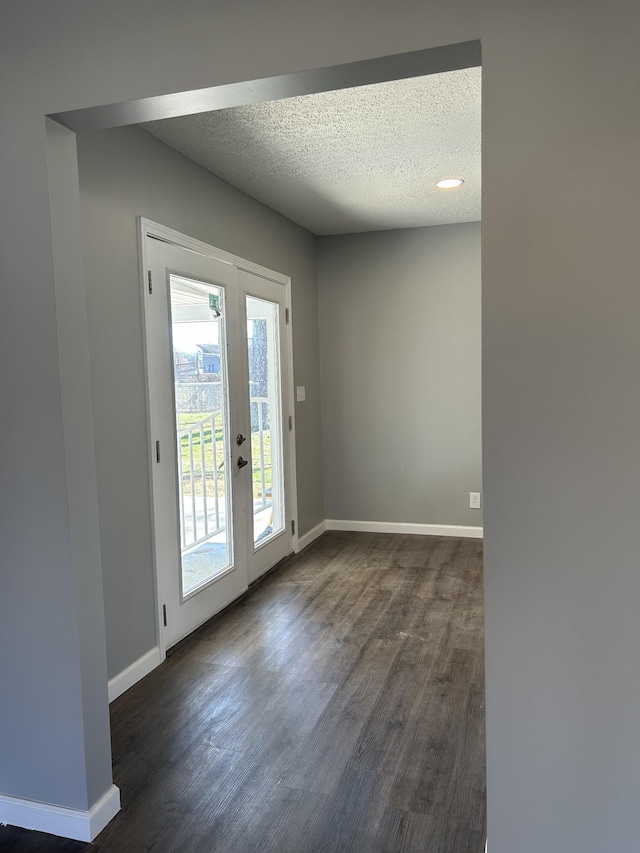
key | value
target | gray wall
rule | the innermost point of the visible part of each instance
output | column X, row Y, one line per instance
column 54, row 722
column 125, row 173
column 561, row 359
column 400, row 363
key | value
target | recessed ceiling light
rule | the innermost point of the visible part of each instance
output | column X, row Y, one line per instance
column 449, row 183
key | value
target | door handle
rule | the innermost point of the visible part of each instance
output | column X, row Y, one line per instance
column 242, row 462
column 240, row 438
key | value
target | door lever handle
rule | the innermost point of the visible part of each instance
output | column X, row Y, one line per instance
column 242, row 462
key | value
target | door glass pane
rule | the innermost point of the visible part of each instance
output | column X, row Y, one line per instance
column 201, row 409
column 263, row 338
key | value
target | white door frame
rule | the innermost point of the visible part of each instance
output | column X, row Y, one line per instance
column 148, row 228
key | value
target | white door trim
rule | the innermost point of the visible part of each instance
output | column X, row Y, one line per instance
column 149, row 228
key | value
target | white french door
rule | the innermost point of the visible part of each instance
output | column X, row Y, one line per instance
column 263, row 321
column 218, row 386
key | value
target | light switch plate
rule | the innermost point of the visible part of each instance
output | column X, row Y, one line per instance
column 301, row 394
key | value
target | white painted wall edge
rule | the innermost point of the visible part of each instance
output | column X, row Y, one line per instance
column 133, row 673
column 308, row 538
column 57, row 820
column 402, row 527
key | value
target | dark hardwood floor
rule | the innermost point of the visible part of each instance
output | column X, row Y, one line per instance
column 338, row 707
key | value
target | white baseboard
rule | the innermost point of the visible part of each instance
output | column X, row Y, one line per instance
column 312, row 534
column 401, row 527
column 57, row 820
column 133, row 673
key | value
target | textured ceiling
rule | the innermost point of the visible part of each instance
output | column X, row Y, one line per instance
column 362, row 159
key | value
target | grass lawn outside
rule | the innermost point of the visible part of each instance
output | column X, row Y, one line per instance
column 203, row 440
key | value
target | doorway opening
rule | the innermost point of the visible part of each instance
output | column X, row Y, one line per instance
column 376, row 351
column 424, row 62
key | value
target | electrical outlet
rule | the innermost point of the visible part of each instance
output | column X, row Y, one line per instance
column 474, row 500
column 301, row 394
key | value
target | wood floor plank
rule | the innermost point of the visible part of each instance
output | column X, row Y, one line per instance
column 428, row 759
column 352, row 814
column 401, row 831
column 278, row 820
column 317, row 764
column 387, row 741
column 338, row 707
